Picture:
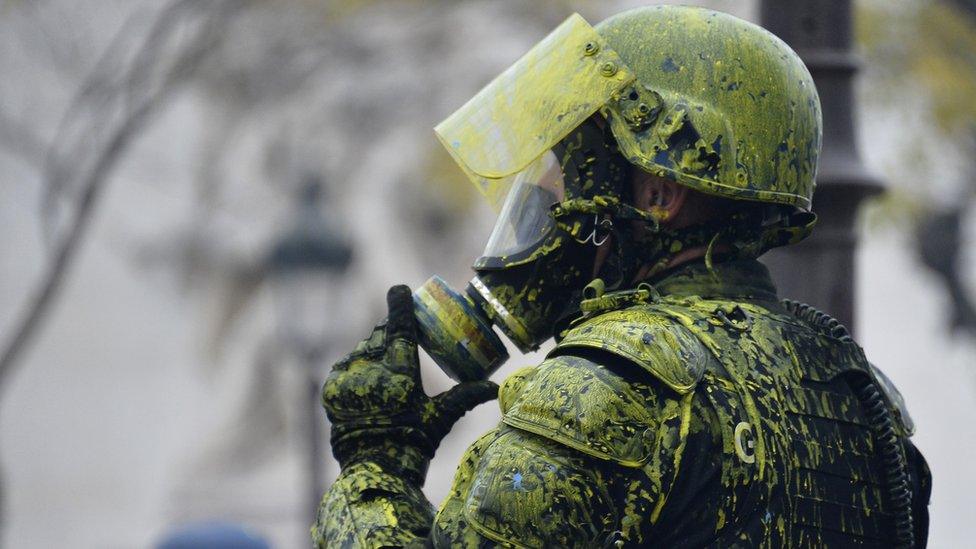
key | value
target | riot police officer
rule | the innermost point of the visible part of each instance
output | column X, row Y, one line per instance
column 640, row 169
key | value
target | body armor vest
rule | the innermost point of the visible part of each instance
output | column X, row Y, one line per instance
column 814, row 438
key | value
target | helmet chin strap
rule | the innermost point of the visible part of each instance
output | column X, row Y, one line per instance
column 746, row 234
column 654, row 244
column 657, row 247
column 604, row 205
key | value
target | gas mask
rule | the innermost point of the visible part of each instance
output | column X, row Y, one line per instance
column 540, row 255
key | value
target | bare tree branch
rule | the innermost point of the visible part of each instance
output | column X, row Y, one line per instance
column 156, row 87
column 88, row 119
column 21, row 141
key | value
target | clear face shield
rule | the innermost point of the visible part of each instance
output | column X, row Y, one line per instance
column 524, row 219
column 503, row 137
column 506, row 140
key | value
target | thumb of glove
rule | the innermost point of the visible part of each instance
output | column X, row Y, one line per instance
column 450, row 405
column 401, row 322
column 401, row 333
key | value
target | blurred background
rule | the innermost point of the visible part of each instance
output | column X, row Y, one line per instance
column 161, row 161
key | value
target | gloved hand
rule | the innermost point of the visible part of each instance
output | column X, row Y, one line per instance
column 376, row 402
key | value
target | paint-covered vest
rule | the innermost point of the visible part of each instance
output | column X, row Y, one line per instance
column 814, row 438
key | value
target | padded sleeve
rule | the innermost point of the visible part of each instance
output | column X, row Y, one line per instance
column 369, row 507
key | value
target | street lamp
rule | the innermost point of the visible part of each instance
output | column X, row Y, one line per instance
column 305, row 265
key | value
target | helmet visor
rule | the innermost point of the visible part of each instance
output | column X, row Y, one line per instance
column 526, row 110
column 525, row 216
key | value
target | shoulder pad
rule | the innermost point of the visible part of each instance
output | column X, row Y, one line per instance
column 585, row 406
column 659, row 345
column 895, row 401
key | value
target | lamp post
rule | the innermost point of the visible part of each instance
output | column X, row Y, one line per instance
column 821, row 269
column 305, row 265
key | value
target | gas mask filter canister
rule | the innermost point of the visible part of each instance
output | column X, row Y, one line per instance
column 456, row 333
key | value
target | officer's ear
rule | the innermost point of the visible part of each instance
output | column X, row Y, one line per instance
column 660, row 196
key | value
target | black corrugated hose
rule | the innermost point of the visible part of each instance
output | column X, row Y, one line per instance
column 887, row 443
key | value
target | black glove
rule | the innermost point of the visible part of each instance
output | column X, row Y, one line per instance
column 376, row 402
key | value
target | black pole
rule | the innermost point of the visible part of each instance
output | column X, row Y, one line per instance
column 821, row 270
column 315, row 466
column 312, row 247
